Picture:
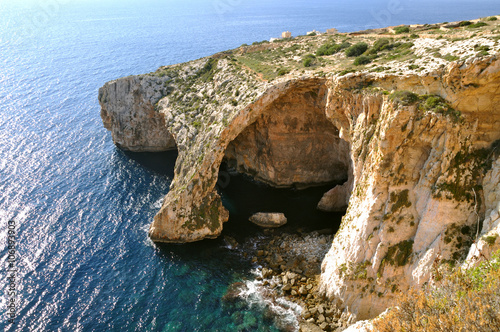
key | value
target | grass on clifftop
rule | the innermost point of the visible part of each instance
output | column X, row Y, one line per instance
column 462, row 300
column 401, row 50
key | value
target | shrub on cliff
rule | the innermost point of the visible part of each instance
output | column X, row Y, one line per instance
column 356, row 49
column 403, row 29
column 308, row 60
column 331, row 48
column 461, row 300
column 478, row 25
column 436, row 104
column 404, row 97
column 283, row 71
column 362, row 60
column 381, row 44
column 206, row 74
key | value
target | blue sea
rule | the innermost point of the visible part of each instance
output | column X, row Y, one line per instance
column 78, row 208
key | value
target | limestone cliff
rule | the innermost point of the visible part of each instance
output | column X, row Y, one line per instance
column 128, row 111
column 414, row 135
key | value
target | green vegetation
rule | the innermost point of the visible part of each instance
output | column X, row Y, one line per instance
column 436, row 104
column 490, row 239
column 308, row 60
column 360, row 271
column 483, row 50
column 283, row 71
column 427, row 103
column 399, row 200
column 332, row 48
column 259, row 65
column 399, row 254
column 462, row 300
column 347, row 71
column 459, row 239
column 362, row 60
column 381, row 44
column 206, row 74
column 393, row 50
column 449, row 57
column 356, row 50
column 492, row 18
column 465, row 23
column 204, row 216
column 282, row 40
column 467, row 168
column 478, row 25
column 404, row 97
column 403, row 29
column 261, row 42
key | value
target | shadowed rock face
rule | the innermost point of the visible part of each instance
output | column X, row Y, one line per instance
column 291, row 143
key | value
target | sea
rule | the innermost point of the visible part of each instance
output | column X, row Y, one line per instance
column 75, row 209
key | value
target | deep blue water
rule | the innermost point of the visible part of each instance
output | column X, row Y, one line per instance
column 81, row 206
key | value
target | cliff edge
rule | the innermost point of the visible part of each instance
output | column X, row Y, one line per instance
column 410, row 122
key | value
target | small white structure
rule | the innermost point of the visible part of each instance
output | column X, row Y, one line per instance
column 286, row 34
column 273, row 39
column 314, row 32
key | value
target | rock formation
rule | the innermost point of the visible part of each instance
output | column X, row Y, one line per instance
column 127, row 110
column 412, row 137
column 268, row 220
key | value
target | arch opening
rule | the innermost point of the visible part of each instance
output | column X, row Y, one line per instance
column 285, row 162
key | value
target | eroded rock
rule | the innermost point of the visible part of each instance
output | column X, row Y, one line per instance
column 268, row 220
column 419, row 180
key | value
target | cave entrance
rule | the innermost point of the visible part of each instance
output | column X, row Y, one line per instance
column 285, row 161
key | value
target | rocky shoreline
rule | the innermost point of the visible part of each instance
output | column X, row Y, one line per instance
column 289, row 266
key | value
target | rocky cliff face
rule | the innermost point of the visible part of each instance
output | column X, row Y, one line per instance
column 419, row 179
column 292, row 142
column 128, row 111
column 417, row 149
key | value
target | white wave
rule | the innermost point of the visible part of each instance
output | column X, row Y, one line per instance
column 147, row 240
column 157, row 205
column 286, row 313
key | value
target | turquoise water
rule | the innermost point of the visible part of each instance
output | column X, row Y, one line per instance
column 81, row 206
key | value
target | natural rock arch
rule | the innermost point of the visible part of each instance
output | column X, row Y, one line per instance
column 292, row 143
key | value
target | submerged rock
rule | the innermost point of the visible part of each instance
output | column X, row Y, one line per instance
column 233, row 292
column 231, row 242
column 268, row 220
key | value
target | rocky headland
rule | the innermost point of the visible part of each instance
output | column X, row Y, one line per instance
column 407, row 118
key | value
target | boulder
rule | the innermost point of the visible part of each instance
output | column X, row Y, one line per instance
column 268, row 220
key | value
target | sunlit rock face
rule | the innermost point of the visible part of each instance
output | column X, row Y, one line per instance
column 292, row 143
column 424, row 179
column 128, row 111
column 420, row 182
